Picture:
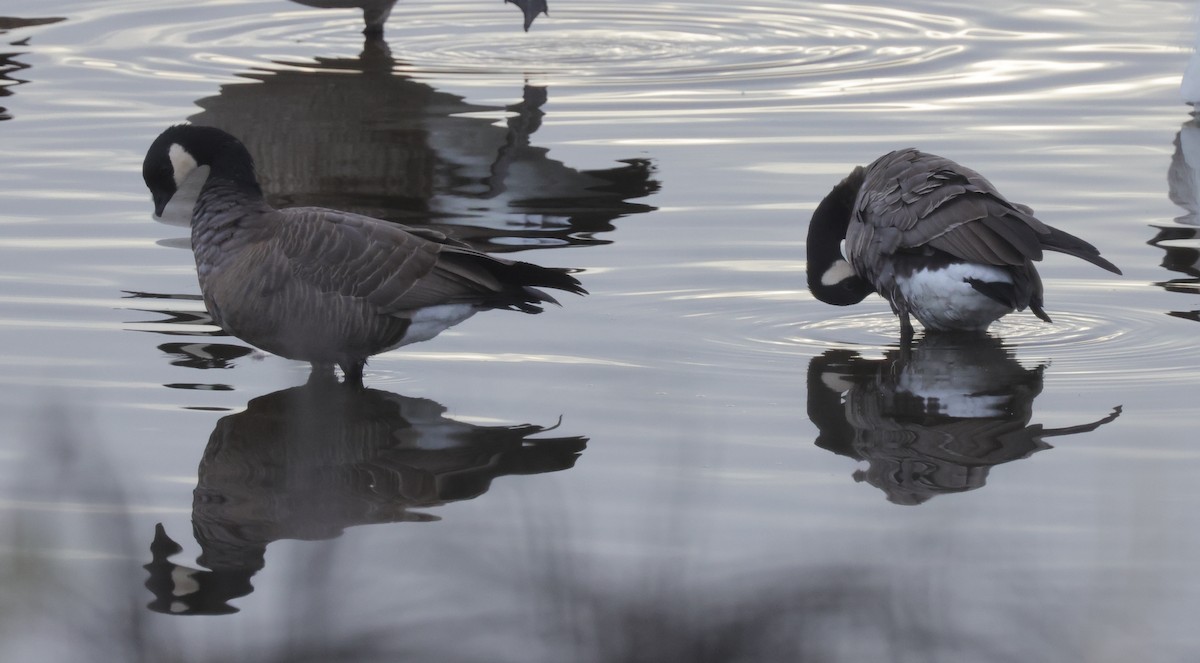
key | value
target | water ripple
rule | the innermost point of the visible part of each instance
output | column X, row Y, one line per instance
column 1089, row 338
column 773, row 55
column 662, row 42
column 659, row 43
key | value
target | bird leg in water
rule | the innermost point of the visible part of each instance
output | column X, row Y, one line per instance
column 906, row 330
column 353, row 374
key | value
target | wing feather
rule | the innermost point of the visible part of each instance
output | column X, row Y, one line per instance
column 382, row 263
column 931, row 200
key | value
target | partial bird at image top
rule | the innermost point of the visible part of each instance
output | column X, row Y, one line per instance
column 376, row 12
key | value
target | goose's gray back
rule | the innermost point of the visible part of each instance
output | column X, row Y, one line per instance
column 325, row 286
column 910, row 200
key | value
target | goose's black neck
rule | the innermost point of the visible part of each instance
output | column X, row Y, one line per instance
column 225, row 155
column 825, row 234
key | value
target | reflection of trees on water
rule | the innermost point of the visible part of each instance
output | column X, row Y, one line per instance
column 308, row 462
column 1182, row 242
column 8, row 61
column 352, row 134
column 931, row 420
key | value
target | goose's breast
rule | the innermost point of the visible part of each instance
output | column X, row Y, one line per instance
column 943, row 298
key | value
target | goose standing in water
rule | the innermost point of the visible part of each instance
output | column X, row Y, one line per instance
column 319, row 285
column 936, row 240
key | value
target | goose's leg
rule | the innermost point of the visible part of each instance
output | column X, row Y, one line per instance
column 353, row 372
column 906, row 329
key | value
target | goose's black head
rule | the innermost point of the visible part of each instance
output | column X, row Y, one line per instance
column 831, row 279
column 182, row 148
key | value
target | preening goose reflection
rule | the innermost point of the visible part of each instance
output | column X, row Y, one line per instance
column 933, row 419
column 936, row 240
column 324, row 286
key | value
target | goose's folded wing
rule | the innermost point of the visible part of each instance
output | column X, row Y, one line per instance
column 382, row 263
column 914, row 199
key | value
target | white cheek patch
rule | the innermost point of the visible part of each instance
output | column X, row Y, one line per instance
column 837, row 272
column 182, row 163
column 178, row 211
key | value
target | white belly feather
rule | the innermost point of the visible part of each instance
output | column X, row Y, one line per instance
column 942, row 299
column 430, row 321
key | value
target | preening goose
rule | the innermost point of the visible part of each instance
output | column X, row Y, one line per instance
column 320, row 285
column 936, row 240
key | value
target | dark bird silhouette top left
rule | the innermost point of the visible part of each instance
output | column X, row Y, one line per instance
column 319, row 285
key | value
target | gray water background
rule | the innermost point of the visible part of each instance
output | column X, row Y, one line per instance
column 737, row 471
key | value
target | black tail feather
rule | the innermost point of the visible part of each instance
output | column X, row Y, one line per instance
column 526, row 279
column 1065, row 242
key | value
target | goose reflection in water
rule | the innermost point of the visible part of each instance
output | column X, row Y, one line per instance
column 308, row 462
column 1181, row 241
column 933, row 419
column 352, row 134
column 376, row 12
column 8, row 61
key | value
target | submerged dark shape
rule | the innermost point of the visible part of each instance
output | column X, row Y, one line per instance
column 376, row 12
column 933, row 418
column 320, row 285
column 308, row 462
column 936, row 240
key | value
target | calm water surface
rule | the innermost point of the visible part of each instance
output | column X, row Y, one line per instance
column 697, row 461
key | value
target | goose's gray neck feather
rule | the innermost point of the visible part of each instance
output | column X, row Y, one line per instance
column 224, row 220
